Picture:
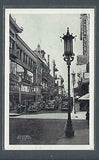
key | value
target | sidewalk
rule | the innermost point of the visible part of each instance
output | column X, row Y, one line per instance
column 62, row 115
column 14, row 114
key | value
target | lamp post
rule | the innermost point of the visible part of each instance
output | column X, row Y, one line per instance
column 73, row 81
column 68, row 57
column 19, row 90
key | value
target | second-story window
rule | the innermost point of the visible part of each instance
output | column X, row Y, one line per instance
column 18, row 51
column 11, row 44
column 24, row 57
column 29, row 61
column 20, row 54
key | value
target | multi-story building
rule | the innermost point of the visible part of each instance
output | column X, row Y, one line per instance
column 45, row 80
column 23, row 67
column 60, row 84
column 83, row 82
column 30, row 78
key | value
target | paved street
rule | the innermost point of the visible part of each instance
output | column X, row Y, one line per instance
column 47, row 128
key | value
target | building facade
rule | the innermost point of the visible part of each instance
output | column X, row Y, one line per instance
column 30, row 78
column 83, row 78
column 46, row 81
column 23, row 68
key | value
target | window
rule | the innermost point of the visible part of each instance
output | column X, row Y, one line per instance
column 11, row 44
column 29, row 61
column 20, row 54
column 24, row 57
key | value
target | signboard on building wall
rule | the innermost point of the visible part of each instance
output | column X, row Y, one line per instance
column 82, row 59
column 84, row 32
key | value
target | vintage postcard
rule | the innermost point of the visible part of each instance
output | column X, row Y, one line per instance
column 49, row 79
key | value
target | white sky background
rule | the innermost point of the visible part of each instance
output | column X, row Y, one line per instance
column 46, row 29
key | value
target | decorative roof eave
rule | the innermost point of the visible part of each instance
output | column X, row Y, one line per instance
column 18, row 29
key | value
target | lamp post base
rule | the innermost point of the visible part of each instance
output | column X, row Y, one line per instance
column 69, row 132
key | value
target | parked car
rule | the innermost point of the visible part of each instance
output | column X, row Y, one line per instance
column 43, row 105
column 50, row 105
column 33, row 107
column 64, row 105
column 21, row 108
column 39, row 105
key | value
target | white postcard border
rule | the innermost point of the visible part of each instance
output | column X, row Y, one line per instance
column 7, row 146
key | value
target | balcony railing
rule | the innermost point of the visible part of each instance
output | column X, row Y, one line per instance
column 14, row 77
column 26, row 81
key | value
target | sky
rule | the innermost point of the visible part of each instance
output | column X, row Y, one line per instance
column 46, row 29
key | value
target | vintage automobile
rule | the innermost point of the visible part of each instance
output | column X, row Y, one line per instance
column 21, row 108
column 64, row 105
column 33, row 107
column 42, row 105
column 50, row 105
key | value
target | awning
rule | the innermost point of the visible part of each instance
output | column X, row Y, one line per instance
column 84, row 97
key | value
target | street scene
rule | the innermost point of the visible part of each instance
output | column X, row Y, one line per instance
column 49, row 79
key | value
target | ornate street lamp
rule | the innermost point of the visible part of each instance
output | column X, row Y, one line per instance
column 68, row 57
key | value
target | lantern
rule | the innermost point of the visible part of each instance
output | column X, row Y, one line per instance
column 68, row 44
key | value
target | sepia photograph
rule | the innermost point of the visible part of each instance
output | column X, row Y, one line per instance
column 49, row 79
